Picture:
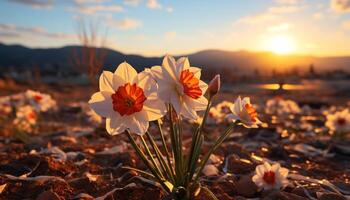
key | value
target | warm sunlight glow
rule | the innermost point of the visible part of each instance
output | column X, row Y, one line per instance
column 280, row 44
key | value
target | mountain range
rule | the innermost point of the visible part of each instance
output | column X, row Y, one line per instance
column 236, row 62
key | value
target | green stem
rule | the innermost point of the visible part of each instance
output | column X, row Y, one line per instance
column 213, row 148
column 151, row 156
column 175, row 146
column 146, row 162
column 160, row 157
column 166, row 149
column 196, row 145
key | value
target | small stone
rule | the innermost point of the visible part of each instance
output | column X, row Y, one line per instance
column 239, row 166
column 210, row 170
column 246, row 187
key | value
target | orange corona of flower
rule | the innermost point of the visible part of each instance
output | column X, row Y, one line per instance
column 32, row 115
column 252, row 112
column 37, row 98
column 190, row 84
column 269, row 177
column 128, row 99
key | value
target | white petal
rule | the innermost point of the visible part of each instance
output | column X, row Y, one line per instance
column 126, row 72
column 154, row 107
column 275, row 167
column 101, row 103
column 237, row 107
column 260, row 170
column 176, row 102
column 187, row 111
column 140, row 116
column 196, row 71
column 203, row 86
column 196, row 104
column 284, row 172
column 138, row 127
column 147, row 83
column 114, row 126
column 267, row 166
column 165, row 92
column 169, row 65
column 117, row 82
column 106, row 81
column 182, row 64
column 156, row 72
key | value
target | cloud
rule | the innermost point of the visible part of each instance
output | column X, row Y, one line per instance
column 341, row 5
column 79, row 2
column 11, row 30
column 271, row 14
column 318, row 15
column 132, row 2
column 288, row 1
column 169, row 9
column 284, row 9
column 279, row 27
column 39, row 4
column 92, row 9
column 346, row 25
column 153, row 4
column 171, row 35
column 257, row 18
column 123, row 23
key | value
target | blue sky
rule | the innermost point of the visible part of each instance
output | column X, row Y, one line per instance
column 156, row 27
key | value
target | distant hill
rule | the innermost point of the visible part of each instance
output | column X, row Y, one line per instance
column 238, row 62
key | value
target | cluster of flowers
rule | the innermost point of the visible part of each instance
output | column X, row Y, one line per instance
column 26, row 107
column 130, row 100
column 279, row 106
column 218, row 114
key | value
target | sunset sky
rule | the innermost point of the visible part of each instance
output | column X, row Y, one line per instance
column 156, row 27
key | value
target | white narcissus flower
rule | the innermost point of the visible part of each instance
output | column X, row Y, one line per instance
column 270, row 176
column 244, row 111
column 128, row 100
column 180, row 85
column 40, row 101
column 210, row 170
column 26, row 118
column 280, row 106
column 339, row 121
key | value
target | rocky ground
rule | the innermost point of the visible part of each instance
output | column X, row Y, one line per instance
column 70, row 158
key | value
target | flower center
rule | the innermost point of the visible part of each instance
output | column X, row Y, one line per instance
column 190, row 84
column 31, row 115
column 341, row 121
column 225, row 109
column 37, row 98
column 211, row 114
column 128, row 99
column 252, row 112
column 269, row 177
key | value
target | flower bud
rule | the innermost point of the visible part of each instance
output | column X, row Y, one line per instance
column 214, row 85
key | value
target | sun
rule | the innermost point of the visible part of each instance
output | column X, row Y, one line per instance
column 281, row 44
